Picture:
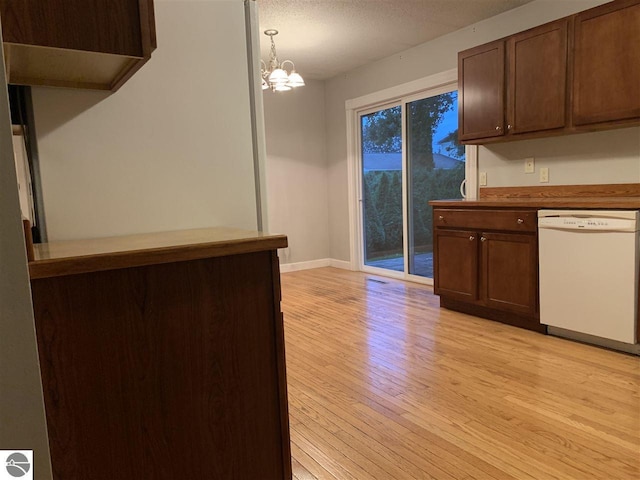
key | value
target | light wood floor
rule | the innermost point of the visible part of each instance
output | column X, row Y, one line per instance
column 385, row 385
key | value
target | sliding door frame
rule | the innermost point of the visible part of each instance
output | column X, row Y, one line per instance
column 355, row 108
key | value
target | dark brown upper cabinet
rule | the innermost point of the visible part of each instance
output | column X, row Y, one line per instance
column 481, row 91
column 536, row 91
column 521, row 78
column 580, row 73
column 76, row 43
column 606, row 64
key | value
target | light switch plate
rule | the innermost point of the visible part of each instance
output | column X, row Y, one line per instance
column 544, row 175
column 483, row 179
column 529, row 165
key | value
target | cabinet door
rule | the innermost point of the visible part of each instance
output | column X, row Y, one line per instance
column 509, row 273
column 606, row 63
column 481, row 91
column 88, row 25
column 456, row 264
column 537, row 62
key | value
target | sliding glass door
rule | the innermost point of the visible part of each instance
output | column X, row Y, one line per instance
column 409, row 155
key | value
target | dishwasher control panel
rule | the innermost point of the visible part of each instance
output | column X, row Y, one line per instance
column 618, row 221
column 584, row 223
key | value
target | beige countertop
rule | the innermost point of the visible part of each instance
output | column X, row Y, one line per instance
column 82, row 256
column 631, row 203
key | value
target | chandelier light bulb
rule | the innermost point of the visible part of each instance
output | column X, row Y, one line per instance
column 278, row 76
column 295, row 80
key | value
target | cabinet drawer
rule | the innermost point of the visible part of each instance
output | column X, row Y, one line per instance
column 510, row 220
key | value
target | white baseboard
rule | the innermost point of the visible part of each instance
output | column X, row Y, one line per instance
column 339, row 264
column 294, row 267
column 322, row 262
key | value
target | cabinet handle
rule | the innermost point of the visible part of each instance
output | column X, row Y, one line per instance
column 483, row 239
column 520, row 221
column 509, row 127
column 498, row 128
column 472, row 238
column 441, row 218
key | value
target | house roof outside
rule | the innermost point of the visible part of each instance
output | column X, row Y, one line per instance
column 393, row 161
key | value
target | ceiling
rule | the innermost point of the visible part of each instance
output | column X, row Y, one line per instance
column 328, row 37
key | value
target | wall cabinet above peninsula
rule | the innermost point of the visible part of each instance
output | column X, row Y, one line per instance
column 76, row 43
column 580, row 73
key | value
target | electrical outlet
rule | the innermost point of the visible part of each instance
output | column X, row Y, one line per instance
column 544, row 175
column 529, row 165
column 483, row 179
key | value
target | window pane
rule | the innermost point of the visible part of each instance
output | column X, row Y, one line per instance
column 381, row 144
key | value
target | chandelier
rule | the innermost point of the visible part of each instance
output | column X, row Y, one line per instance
column 276, row 77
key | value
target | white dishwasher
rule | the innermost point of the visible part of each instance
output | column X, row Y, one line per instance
column 589, row 262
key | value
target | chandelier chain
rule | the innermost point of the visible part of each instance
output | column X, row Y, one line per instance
column 273, row 61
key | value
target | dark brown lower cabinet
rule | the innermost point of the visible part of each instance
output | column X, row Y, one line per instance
column 509, row 273
column 492, row 273
column 456, row 277
column 166, row 371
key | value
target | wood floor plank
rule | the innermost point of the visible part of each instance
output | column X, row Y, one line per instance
column 299, row 454
column 351, row 462
column 300, row 472
column 407, row 462
column 383, row 384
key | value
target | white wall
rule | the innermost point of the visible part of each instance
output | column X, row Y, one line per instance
column 170, row 150
column 589, row 158
column 571, row 159
column 297, row 189
column 22, row 418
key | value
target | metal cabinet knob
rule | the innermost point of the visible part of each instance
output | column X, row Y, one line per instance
column 441, row 218
column 520, row 221
column 498, row 128
column 483, row 239
column 509, row 127
column 472, row 238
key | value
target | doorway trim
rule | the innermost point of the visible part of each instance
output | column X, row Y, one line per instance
column 398, row 93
